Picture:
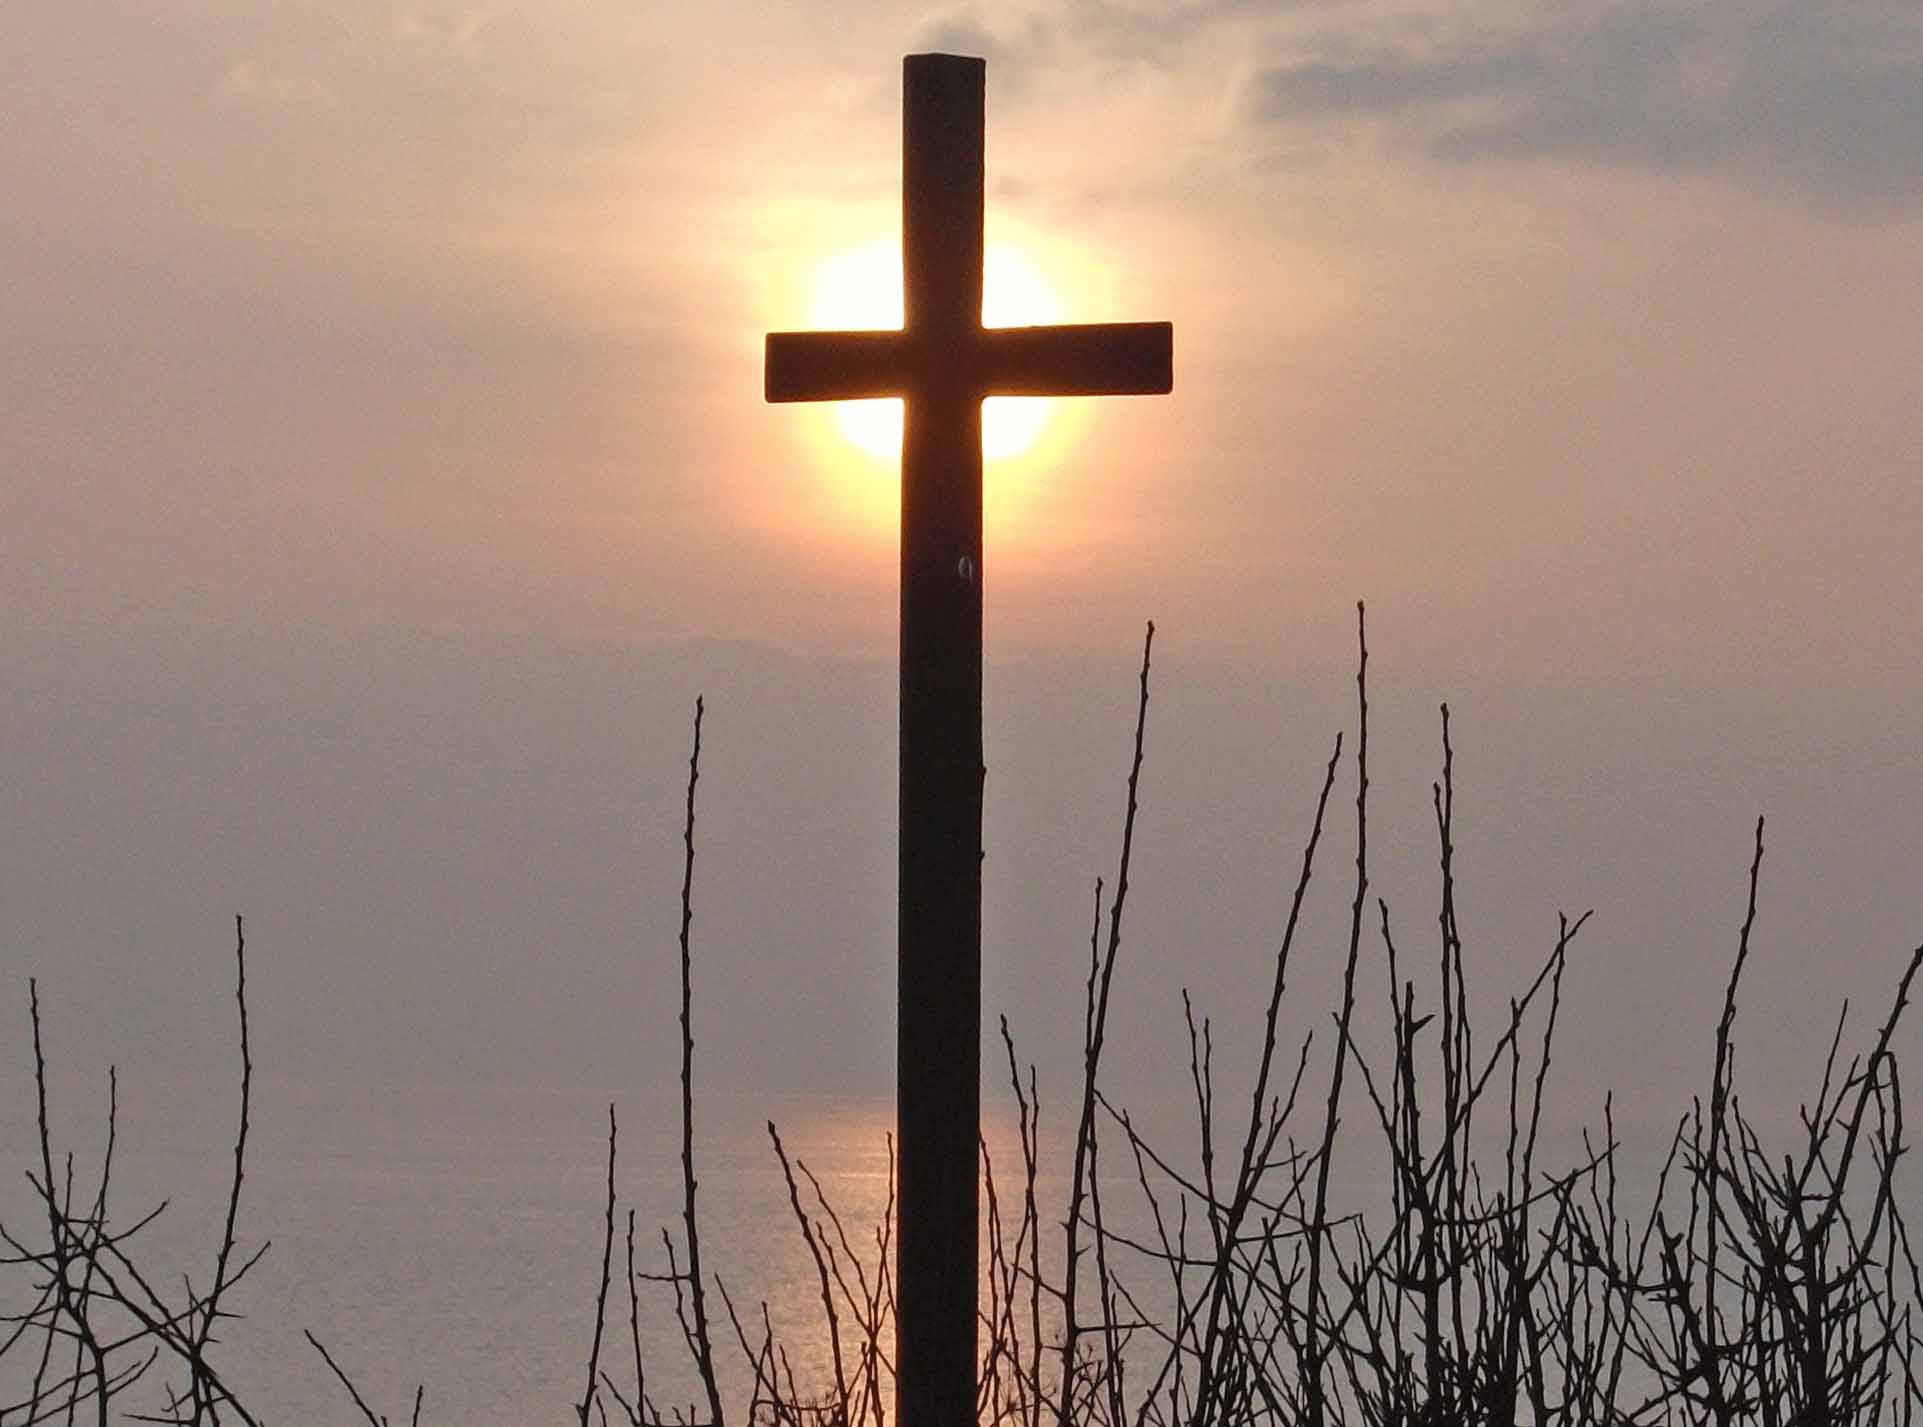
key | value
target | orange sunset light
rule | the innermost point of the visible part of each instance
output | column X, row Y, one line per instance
column 860, row 289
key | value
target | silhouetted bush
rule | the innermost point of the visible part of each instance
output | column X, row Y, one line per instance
column 1760, row 1283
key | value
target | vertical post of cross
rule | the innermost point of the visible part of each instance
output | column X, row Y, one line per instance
column 939, row 928
column 945, row 363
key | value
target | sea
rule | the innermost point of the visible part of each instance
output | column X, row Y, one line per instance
column 450, row 1236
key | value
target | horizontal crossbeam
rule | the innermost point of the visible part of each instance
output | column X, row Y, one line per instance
column 836, row 366
column 1096, row 359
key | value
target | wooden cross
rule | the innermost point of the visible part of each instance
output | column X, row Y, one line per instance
column 944, row 363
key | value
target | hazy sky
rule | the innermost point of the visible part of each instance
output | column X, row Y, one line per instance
column 383, row 470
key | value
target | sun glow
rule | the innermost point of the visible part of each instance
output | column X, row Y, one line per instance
column 861, row 290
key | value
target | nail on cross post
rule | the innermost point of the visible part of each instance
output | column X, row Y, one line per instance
column 944, row 363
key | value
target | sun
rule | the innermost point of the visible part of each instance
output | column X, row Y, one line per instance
column 861, row 290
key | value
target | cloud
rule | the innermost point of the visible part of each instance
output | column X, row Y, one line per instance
column 250, row 82
column 962, row 32
column 459, row 30
column 1823, row 99
column 1069, row 34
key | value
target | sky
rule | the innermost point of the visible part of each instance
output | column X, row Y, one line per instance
column 384, row 471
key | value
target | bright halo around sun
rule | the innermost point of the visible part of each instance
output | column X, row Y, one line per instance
column 861, row 290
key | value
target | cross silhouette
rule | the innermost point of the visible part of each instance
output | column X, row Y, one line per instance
column 944, row 362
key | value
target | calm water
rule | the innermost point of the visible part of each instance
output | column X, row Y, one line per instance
column 452, row 1235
